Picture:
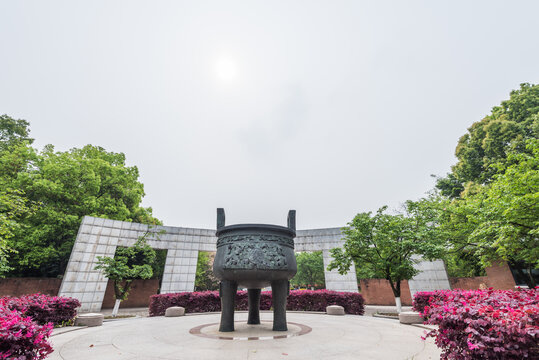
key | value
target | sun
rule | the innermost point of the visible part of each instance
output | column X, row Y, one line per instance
column 226, row 69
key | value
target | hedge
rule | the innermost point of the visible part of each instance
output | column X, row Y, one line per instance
column 26, row 323
column 21, row 338
column 483, row 324
column 421, row 299
column 298, row 300
column 43, row 309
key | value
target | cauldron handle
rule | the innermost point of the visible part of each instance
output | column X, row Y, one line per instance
column 291, row 220
column 220, row 218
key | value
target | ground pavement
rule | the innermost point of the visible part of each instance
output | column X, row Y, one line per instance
column 310, row 336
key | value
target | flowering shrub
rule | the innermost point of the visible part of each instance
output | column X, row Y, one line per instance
column 318, row 300
column 299, row 300
column 43, row 309
column 484, row 324
column 421, row 299
column 21, row 338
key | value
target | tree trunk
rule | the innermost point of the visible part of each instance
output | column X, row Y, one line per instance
column 116, row 307
column 398, row 303
column 531, row 280
column 396, row 287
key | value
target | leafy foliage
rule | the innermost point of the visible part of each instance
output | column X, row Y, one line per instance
column 204, row 279
column 298, row 300
column 387, row 246
column 310, row 270
column 495, row 189
column 13, row 207
column 22, row 338
column 26, row 323
column 463, row 263
column 15, row 155
column 128, row 264
column 483, row 324
column 13, row 132
column 43, row 309
column 489, row 141
column 501, row 219
column 44, row 195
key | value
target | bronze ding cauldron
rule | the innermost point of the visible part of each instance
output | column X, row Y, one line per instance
column 254, row 256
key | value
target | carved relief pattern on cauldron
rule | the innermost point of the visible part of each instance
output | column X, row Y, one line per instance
column 249, row 256
column 280, row 240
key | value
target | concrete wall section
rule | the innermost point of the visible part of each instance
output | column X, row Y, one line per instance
column 432, row 276
column 324, row 240
column 336, row 281
column 81, row 280
column 100, row 237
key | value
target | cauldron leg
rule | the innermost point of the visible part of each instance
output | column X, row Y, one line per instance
column 279, row 292
column 227, row 292
column 254, row 306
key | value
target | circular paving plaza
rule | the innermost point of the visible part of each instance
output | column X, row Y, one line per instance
column 309, row 336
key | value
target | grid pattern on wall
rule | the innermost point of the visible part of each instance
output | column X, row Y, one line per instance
column 432, row 276
column 324, row 240
column 100, row 237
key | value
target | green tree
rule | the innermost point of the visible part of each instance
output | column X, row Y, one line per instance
column 16, row 155
column 310, row 270
column 13, row 132
column 204, row 279
column 128, row 264
column 388, row 246
column 13, row 206
column 489, row 141
column 67, row 186
column 501, row 219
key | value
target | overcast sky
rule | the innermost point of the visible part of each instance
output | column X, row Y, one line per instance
column 330, row 108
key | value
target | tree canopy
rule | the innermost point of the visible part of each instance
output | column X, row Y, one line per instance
column 501, row 219
column 489, row 141
column 310, row 270
column 493, row 189
column 387, row 246
column 13, row 132
column 59, row 187
column 204, row 279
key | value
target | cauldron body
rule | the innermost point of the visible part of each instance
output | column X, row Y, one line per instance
column 254, row 256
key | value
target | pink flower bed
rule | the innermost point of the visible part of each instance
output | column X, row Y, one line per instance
column 298, row 300
column 422, row 299
column 26, row 324
column 43, row 309
column 21, row 338
column 483, row 324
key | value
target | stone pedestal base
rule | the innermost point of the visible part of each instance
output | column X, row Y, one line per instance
column 410, row 317
column 90, row 319
column 175, row 311
column 335, row 310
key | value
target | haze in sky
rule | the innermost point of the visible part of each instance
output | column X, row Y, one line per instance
column 327, row 107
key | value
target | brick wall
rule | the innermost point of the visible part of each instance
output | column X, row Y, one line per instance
column 139, row 296
column 498, row 277
column 375, row 291
column 467, row 283
column 24, row 286
column 378, row 292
